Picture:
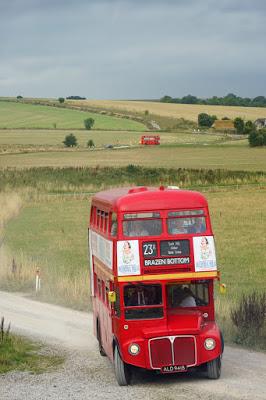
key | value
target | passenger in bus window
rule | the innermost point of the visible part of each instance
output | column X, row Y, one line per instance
column 137, row 229
column 177, row 226
column 183, row 297
column 199, row 226
column 136, row 297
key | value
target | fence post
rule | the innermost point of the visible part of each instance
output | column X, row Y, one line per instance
column 38, row 281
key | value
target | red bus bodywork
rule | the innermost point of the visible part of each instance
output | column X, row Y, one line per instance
column 150, row 139
column 165, row 337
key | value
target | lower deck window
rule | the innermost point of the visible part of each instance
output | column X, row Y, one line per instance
column 188, row 295
column 143, row 301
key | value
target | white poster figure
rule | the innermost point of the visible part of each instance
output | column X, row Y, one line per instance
column 128, row 262
column 204, row 253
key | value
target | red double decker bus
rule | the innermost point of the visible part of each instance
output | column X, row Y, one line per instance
column 153, row 266
column 150, row 139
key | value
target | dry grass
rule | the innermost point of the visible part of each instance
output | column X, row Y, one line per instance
column 10, row 205
column 186, row 111
column 209, row 157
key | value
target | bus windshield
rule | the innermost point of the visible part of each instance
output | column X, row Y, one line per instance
column 143, row 301
column 188, row 295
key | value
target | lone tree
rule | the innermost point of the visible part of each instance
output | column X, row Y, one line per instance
column 90, row 144
column 70, row 140
column 61, row 100
column 239, row 124
column 88, row 123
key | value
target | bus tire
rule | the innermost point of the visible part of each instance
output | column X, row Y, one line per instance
column 122, row 371
column 214, row 368
column 100, row 346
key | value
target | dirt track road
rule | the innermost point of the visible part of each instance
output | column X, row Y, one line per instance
column 87, row 375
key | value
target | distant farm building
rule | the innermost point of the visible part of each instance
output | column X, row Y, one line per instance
column 223, row 125
column 260, row 123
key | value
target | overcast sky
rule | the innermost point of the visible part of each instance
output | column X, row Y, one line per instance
column 132, row 49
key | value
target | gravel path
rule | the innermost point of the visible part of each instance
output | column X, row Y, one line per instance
column 87, row 375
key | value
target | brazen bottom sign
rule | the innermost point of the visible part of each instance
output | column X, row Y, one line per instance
column 167, row 261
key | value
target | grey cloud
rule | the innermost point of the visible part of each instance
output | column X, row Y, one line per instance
column 110, row 48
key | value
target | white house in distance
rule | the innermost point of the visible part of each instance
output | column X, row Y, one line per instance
column 260, row 123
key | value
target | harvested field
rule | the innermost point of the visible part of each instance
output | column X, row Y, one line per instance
column 186, row 111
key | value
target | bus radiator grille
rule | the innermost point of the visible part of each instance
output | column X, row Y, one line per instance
column 172, row 350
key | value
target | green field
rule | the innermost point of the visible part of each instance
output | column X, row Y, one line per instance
column 209, row 157
column 19, row 115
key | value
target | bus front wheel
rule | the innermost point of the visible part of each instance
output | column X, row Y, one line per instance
column 122, row 371
column 214, row 368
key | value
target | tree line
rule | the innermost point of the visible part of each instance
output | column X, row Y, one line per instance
column 229, row 100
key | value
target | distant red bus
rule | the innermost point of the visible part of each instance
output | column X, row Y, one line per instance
column 150, row 139
column 153, row 266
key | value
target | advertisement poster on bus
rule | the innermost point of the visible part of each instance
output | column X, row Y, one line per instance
column 204, row 253
column 128, row 262
column 102, row 249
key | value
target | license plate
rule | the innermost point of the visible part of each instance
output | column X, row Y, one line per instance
column 173, row 368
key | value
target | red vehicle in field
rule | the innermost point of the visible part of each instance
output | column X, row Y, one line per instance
column 150, row 139
column 153, row 266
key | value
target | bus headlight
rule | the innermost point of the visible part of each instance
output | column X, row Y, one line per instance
column 133, row 349
column 209, row 344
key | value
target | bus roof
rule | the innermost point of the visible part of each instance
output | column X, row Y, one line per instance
column 141, row 198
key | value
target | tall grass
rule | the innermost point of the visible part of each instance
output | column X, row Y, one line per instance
column 60, row 180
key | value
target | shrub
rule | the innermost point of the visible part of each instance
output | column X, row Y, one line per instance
column 70, row 140
column 146, row 112
column 239, row 125
column 90, row 143
column 19, row 97
column 61, row 100
column 249, row 317
column 249, row 127
column 257, row 138
column 206, row 120
column 88, row 123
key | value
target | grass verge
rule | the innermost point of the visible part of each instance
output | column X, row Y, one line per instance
column 20, row 354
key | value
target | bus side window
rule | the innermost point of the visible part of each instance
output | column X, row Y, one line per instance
column 113, row 230
column 98, row 219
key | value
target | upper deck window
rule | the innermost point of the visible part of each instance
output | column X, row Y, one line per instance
column 152, row 227
column 177, row 226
